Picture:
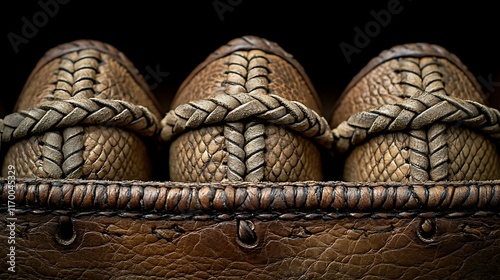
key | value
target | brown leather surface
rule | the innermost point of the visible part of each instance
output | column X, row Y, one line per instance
column 87, row 68
column 260, row 77
column 411, row 84
column 207, row 161
column 320, row 230
column 81, row 115
column 274, row 53
column 209, row 227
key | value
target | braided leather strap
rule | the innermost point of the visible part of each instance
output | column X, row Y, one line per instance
column 169, row 198
column 419, row 111
column 238, row 107
column 78, row 111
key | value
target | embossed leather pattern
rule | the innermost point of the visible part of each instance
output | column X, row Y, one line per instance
column 262, row 112
column 83, row 113
column 320, row 230
column 247, row 199
column 415, row 113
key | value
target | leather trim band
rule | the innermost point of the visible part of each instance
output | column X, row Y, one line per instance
column 174, row 197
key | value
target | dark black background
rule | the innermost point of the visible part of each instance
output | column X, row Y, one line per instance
column 178, row 35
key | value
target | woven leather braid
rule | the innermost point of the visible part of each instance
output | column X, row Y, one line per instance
column 233, row 131
column 254, row 150
column 257, row 82
column 246, row 139
column 72, row 148
column 51, row 153
column 92, row 49
column 238, row 107
column 78, row 111
column 419, row 111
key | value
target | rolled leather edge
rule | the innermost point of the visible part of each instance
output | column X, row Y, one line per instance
column 83, row 229
column 174, row 197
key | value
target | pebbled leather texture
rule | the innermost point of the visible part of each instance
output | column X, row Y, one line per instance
column 85, row 112
column 322, row 230
column 215, row 221
column 247, row 113
column 416, row 113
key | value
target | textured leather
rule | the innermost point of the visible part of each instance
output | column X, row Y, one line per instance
column 215, row 228
column 80, row 229
column 247, row 113
column 84, row 112
column 415, row 113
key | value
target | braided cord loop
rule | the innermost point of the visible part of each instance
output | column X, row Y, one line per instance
column 246, row 107
column 78, row 111
column 414, row 113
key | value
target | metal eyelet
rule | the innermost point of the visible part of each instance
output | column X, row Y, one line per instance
column 66, row 233
column 427, row 230
column 247, row 237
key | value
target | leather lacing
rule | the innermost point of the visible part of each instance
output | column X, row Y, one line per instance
column 238, row 107
column 419, row 111
column 176, row 199
column 78, row 111
column 426, row 117
column 241, row 114
column 246, row 203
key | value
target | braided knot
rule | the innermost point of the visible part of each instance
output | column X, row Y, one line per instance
column 78, row 111
column 417, row 112
column 243, row 106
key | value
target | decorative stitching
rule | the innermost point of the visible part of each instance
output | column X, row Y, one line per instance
column 78, row 111
column 421, row 110
column 184, row 198
column 264, row 217
column 232, row 108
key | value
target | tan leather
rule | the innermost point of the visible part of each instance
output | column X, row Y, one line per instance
column 84, row 112
column 415, row 113
column 69, row 228
column 247, row 113
column 321, row 230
